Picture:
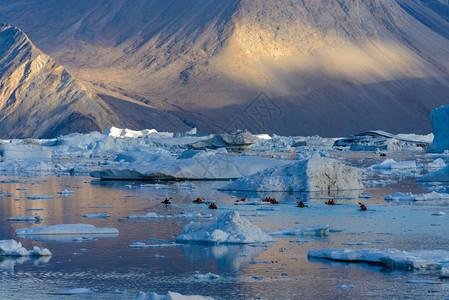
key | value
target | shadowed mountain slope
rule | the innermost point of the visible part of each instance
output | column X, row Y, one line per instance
column 332, row 67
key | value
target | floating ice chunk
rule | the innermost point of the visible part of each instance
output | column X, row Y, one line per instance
column 36, row 197
column 390, row 258
column 314, row 174
column 440, row 213
column 75, row 291
column 140, row 245
column 207, row 276
column 66, row 192
column 437, row 164
column 345, row 287
column 356, row 244
column 229, row 228
column 169, row 296
column 389, row 164
column 33, row 218
column 422, row 281
column 433, row 196
column 62, row 229
column 153, row 215
column 444, row 272
column 13, row 248
column 96, row 216
column 143, row 156
column 320, row 230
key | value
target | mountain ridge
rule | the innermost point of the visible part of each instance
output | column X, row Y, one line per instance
column 334, row 67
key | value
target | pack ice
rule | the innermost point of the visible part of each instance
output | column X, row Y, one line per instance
column 229, row 228
column 314, row 174
column 13, row 248
column 390, row 258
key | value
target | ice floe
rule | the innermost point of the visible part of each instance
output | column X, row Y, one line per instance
column 314, row 174
column 169, row 296
column 37, row 197
column 66, row 192
column 320, row 230
column 187, row 215
column 141, row 245
column 97, row 216
column 32, row 218
column 229, row 228
column 390, row 258
column 208, row 276
column 390, row 164
column 14, row 248
column 10, row 151
column 75, row 291
column 433, row 196
column 62, row 229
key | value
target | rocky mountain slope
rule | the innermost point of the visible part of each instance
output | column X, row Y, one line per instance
column 331, row 67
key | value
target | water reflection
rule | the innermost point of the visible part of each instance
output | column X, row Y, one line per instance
column 228, row 258
column 8, row 263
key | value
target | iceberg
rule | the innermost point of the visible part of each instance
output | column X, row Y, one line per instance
column 229, row 228
column 309, row 175
column 13, row 248
column 32, row 218
column 390, row 258
column 169, row 296
column 320, row 230
column 152, row 215
column 439, row 119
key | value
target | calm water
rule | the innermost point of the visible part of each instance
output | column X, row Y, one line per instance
column 114, row 271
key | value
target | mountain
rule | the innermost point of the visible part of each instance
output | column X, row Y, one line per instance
column 40, row 98
column 331, row 67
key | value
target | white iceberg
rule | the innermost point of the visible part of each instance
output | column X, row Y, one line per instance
column 208, row 276
column 96, row 216
column 391, row 164
column 141, row 245
column 229, row 228
column 66, row 192
column 433, row 196
column 390, row 258
column 128, row 133
column 320, row 230
column 13, row 248
column 201, row 168
column 314, row 174
column 32, row 218
column 169, row 296
column 62, row 229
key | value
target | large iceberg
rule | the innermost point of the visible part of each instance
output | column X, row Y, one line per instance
column 238, row 141
column 314, row 174
column 230, row 228
column 439, row 119
column 436, row 176
column 390, row 258
column 201, row 168
column 13, row 248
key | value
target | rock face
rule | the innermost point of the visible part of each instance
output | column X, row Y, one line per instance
column 38, row 97
column 318, row 66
